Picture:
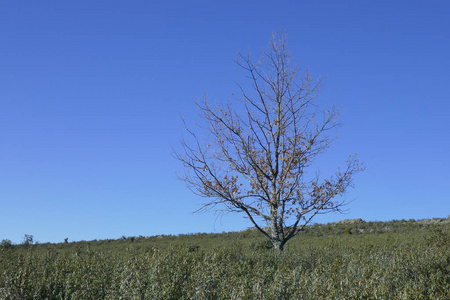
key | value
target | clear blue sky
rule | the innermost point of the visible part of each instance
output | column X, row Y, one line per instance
column 91, row 92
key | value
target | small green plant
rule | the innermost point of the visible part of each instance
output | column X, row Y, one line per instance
column 27, row 240
column 439, row 237
column 347, row 230
column 194, row 248
column 6, row 244
column 261, row 245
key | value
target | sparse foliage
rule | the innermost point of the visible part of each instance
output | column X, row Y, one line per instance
column 6, row 244
column 28, row 239
column 258, row 148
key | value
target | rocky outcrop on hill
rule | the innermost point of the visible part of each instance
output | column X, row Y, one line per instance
column 423, row 221
column 349, row 221
column 434, row 221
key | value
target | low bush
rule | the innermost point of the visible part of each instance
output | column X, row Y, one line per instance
column 358, row 266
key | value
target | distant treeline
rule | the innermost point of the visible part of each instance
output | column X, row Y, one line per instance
column 248, row 236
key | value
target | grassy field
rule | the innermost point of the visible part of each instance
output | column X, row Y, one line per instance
column 366, row 260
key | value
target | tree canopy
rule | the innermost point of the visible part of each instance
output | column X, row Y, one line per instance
column 255, row 157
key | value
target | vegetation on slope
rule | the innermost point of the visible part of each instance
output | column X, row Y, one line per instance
column 363, row 260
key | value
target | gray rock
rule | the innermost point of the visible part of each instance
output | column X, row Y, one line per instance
column 434, row 221
column 350, row 221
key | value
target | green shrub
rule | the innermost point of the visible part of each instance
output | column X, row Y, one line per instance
column 396, row 265
column 6, row 244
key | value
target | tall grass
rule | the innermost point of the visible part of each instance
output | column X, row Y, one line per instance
column 406, row 265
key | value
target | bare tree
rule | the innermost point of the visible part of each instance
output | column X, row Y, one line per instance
column 254, row 157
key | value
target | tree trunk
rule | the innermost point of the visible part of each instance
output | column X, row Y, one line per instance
column 275, row 232
column 277, row 245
